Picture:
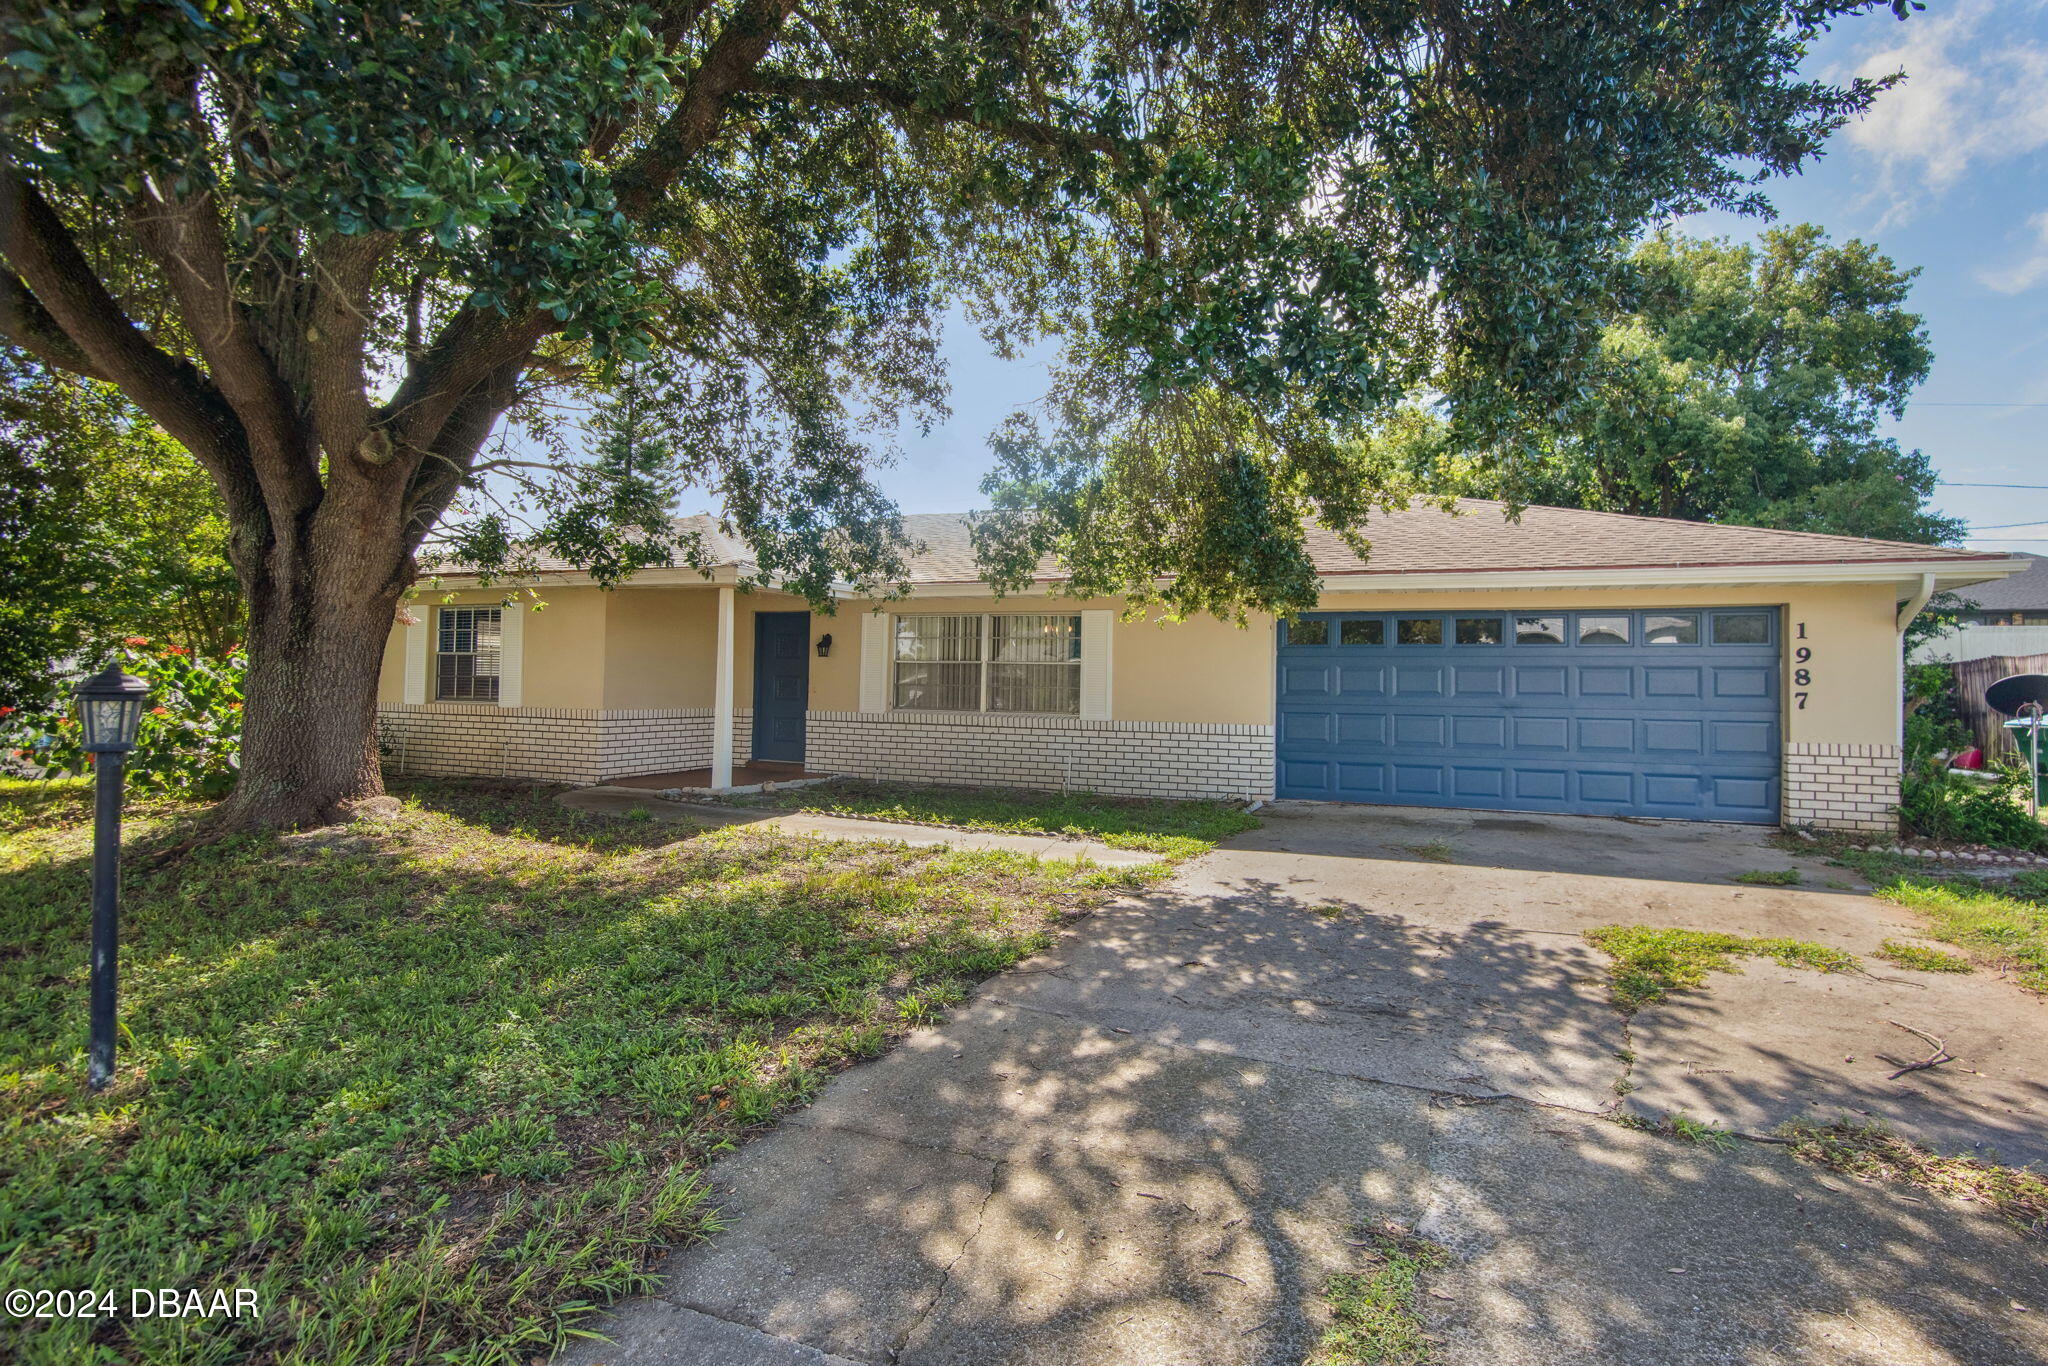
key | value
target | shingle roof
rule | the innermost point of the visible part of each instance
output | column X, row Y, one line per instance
column 1479, row 538
column 2024, row 591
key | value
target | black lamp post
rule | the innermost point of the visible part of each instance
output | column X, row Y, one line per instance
column 110, row 709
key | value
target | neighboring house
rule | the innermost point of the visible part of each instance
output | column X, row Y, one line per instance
column 1566, row 662
column 2006, row 617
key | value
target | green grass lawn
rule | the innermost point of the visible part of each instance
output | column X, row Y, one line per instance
column 435, row 1084
column 2001, row 926
column 1177, row 829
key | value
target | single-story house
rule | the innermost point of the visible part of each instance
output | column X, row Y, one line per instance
column 1567, row 661
column 2001, row 618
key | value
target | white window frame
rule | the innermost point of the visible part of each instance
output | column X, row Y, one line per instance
column 984, row 648
column 497, row 677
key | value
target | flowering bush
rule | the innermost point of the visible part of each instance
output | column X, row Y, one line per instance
column 190, row 740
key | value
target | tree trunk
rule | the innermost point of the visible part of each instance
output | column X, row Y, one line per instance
column 309, row 718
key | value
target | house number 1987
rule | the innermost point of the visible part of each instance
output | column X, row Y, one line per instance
column 1802, row 677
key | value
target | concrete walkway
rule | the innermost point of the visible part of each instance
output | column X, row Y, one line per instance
column 617, row 801
column 1155, row 1143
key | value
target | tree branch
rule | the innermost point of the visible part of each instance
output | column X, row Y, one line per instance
column 42, row 251
column 185, row 239
column 26, row 323
column 344, row 269
column 1035, row 134
column 477, row 344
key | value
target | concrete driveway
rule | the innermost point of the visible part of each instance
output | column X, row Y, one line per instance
column 1156, row 1142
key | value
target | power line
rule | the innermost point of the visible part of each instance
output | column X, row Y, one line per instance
column 1932, row 403
column 1951, row 484
column 2004, row 526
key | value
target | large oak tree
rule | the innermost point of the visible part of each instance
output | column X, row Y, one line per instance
column 332, row 246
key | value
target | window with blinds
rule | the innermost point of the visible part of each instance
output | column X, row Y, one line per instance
column 988, row 662
column 467, row 653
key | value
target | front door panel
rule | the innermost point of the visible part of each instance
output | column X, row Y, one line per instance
column 782, row 684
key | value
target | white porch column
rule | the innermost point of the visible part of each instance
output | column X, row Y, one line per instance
column 721, row 694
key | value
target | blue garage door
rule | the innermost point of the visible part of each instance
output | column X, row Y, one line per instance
column 1639, row 713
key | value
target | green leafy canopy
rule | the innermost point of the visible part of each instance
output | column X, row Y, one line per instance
column 1741, row 384
column 333, row 244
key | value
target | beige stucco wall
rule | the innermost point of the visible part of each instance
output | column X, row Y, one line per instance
column 650, row 647
column 563, row 660
column 636, row 647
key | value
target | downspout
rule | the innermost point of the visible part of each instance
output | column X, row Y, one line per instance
column 1914, row 606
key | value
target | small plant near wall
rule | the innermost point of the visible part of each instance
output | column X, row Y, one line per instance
column 1937, row 804
column 191, row 736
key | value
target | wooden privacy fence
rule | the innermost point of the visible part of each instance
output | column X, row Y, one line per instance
column 1973, row 676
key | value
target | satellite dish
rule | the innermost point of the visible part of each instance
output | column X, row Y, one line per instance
column 2011, row 694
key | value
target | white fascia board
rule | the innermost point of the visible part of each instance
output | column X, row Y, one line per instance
column 1906, row 573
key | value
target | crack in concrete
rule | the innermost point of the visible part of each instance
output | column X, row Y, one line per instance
column 995, row 1182
column 686, row 1307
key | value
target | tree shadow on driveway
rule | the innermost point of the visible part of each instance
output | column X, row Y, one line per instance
column 1155, row 1144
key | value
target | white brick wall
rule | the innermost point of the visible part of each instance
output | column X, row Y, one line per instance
column 1122, row 758
column 1842, row 787
column 552, row 744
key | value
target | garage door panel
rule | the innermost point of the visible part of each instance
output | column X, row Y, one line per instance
column 1425, row 680
column 1672, row 789
column 1308, row 777
column 1479, row 682
column 1674, row 737
column 1362, row 680
column 1419, row 728
column 1607, row 680
column 1362, row 782
column 1479, row 732
column 1613, row 734
column 1671, row 682
column 1745, row 737
column 1363, row 728
column 1483, row 783
column 1606, row 787
column 1602, row 722
column 1542, row 732
column 1732, row 682
column 1308, row 727
column 1299, row 680
column 1746, row 798
column 1418, row 780
column 1545, row 785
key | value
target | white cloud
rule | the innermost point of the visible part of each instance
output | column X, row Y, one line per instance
column 1975, row 92
column 2029, row 270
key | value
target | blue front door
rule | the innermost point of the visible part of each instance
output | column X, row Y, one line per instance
column 782, row 684
column 1637, row 713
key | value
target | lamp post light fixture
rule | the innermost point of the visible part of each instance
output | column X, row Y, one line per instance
column 110, row 710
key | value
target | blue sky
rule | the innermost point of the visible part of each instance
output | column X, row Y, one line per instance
column 1949, row 172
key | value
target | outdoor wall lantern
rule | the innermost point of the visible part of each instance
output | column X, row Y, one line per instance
column 110, row 710
column 824, row 645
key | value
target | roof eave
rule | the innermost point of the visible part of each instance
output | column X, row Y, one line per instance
column 1949, row 573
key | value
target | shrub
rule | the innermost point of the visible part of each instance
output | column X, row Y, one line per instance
column 190, row 740
column 1940, row 805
